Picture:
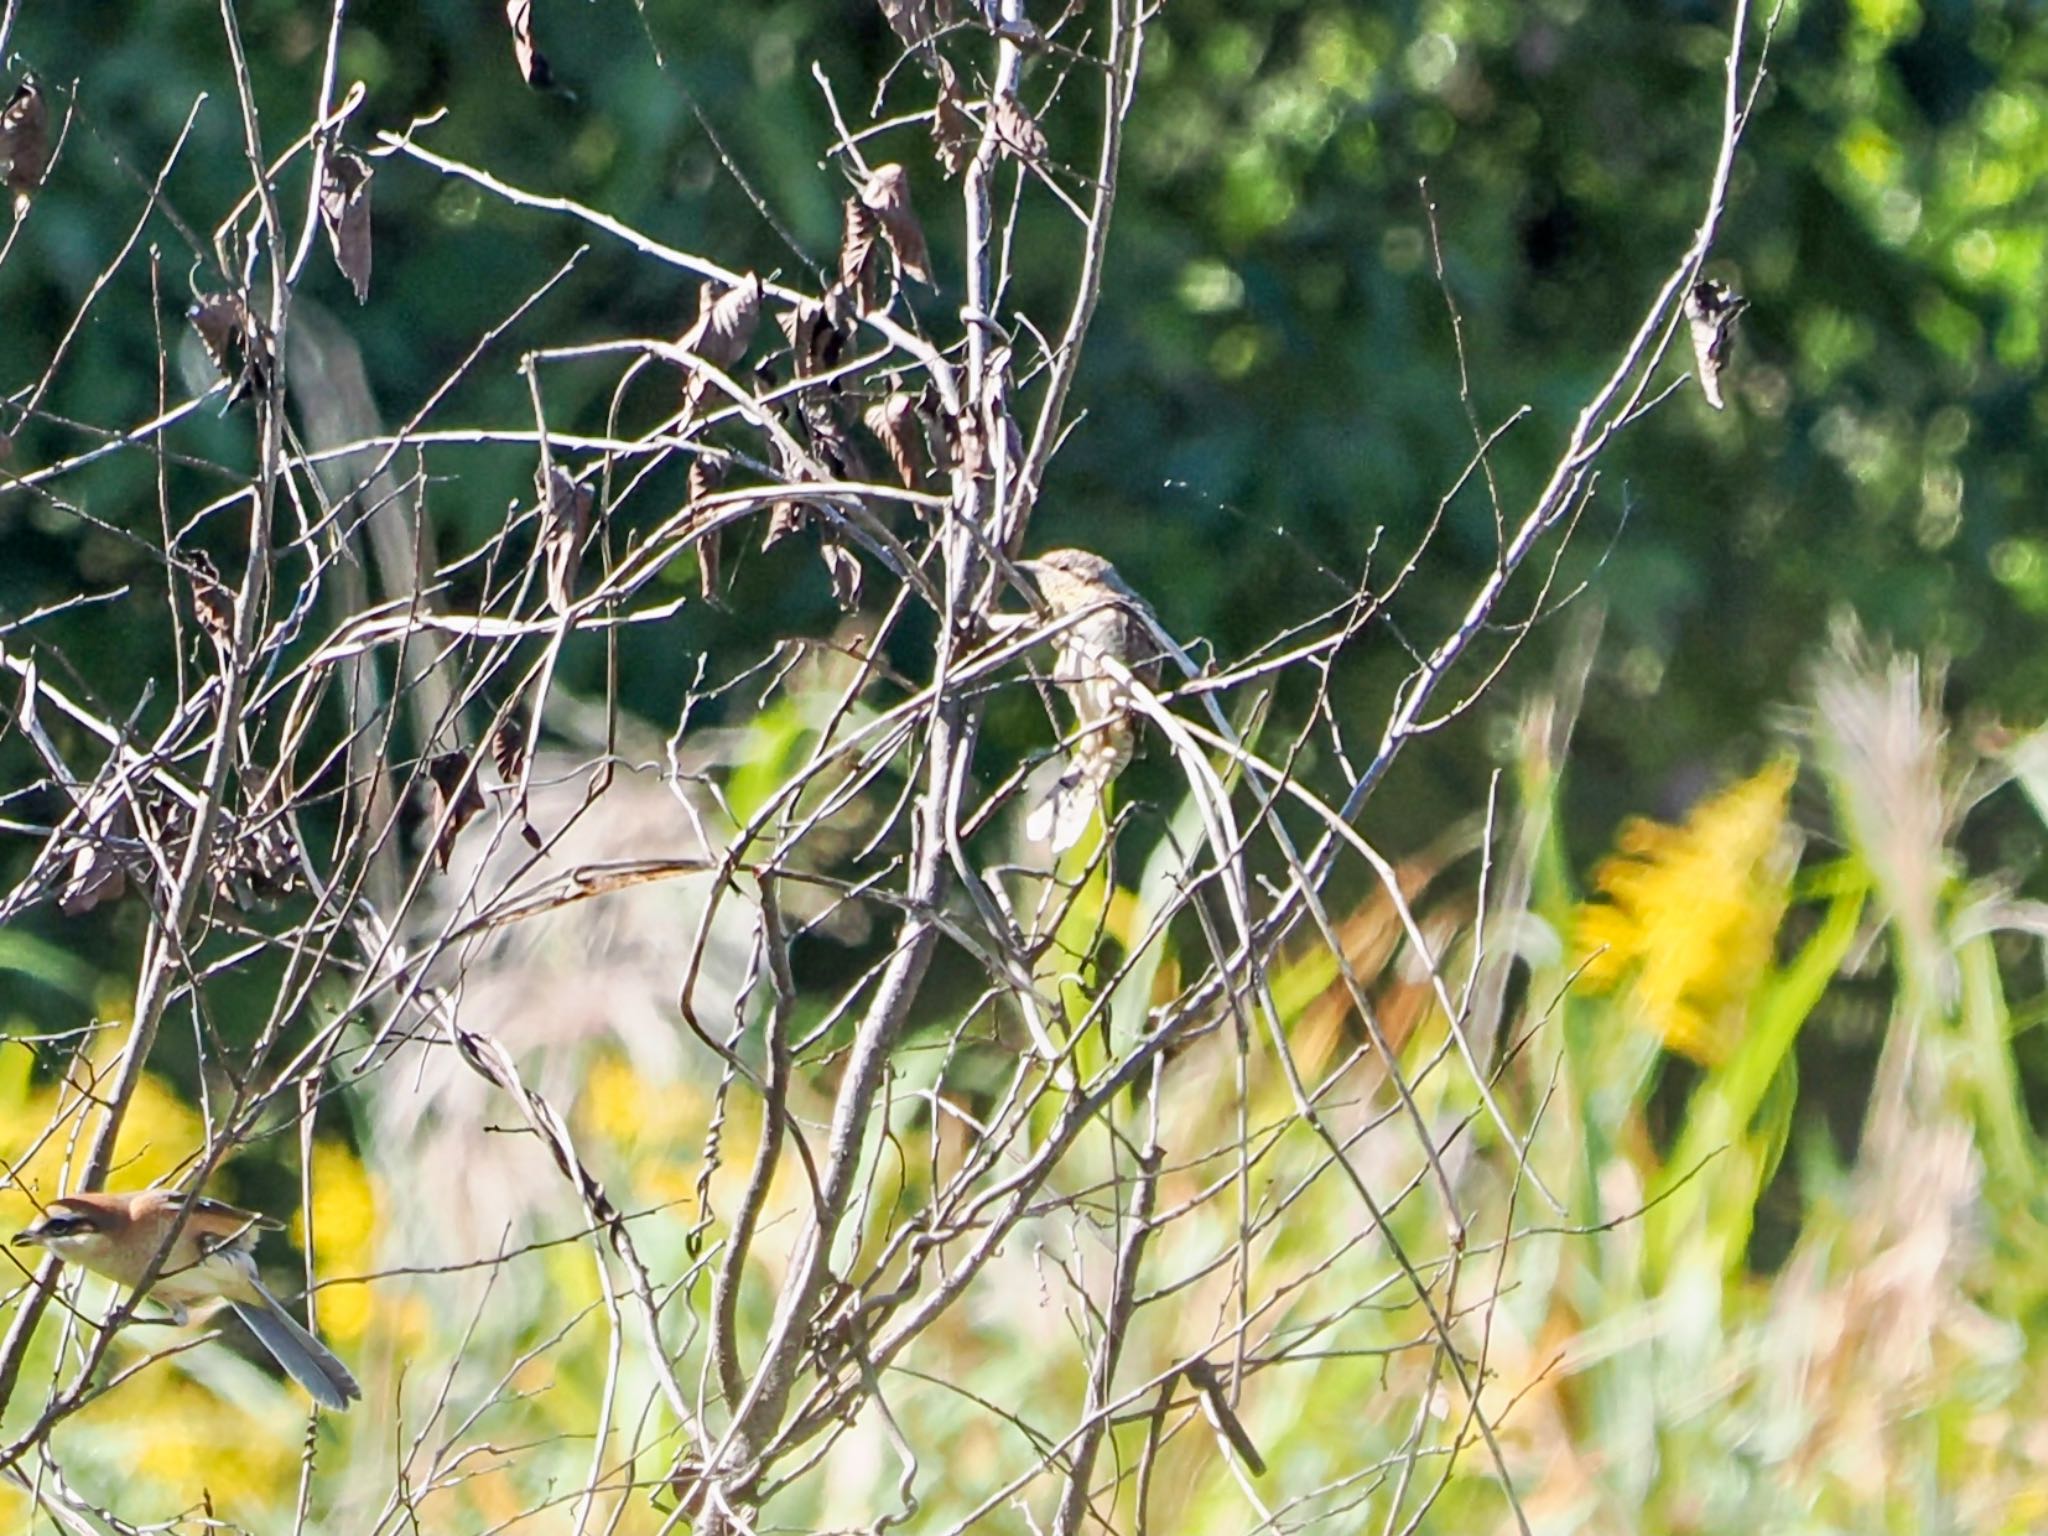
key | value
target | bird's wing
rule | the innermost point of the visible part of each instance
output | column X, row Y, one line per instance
column 206, row 1205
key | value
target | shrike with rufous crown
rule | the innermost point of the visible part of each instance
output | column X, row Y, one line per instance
column 211, row 1259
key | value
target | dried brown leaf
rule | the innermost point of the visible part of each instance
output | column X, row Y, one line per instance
column 817, row 336
column 533, row 64
column 508, row 755
column 508, row 749
column 954, row 132
column 784, row 518
column 259, row 863
column 25, row 141
column 722, row 332
column 858, row 262
column 887, row 193
column 706, row 475
column 565, row 519
column 831, row 442
column 844, row 568
column 911, row 20
column 1711, row 310
column 893, row 419
column 1018, row 131
column 968, row 444
column 456, row 801
column 212, row 603
column 239, row 343
column 345, row 215
column 97, row 872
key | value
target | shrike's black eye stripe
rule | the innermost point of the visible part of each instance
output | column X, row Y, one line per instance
column 64, row 1226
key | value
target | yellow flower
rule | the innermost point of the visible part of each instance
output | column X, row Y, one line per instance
column 614, row 1100
column 183, row 1441
column 158, row 1135
column 1689, row 913
column 345, row 1230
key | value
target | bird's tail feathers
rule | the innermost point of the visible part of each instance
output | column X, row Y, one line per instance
column 305, row 1359
column 1060, row 816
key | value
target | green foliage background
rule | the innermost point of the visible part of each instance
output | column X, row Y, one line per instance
column 1273, row 349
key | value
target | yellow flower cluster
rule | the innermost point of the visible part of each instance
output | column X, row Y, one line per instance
column 1687, row 914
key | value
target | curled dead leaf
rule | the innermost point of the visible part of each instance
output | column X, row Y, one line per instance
column 564, row 520
column 894, row 420
column 916, row 21
column 887, row 193
column 345, row 215
column 858, row 261
column 213, row 605
column 954, row 132
column 508, row 755
column 456, row 801
column 98, row 873
column 1018, row 131
column 238, row 341
column 706, row 475
column 722, row 332
column 844, row 569
column 533, row 64
column 1711, row 310
column 24, row 141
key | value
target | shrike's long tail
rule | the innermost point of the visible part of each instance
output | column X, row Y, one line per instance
column 304, row 1358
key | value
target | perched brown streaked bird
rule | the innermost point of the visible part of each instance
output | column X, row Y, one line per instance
column 210, row 1260
column 1119, row 625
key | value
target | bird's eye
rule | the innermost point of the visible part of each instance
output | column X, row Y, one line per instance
column 64, row 1226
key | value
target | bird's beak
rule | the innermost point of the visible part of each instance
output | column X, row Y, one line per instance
column 27, row 1237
